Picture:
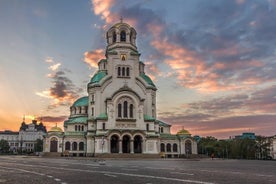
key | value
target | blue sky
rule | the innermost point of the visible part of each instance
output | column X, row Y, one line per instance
column 213, row 61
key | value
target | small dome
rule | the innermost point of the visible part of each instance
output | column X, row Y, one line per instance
column 83, row 101
column 55, row 129
column 98, row 77
column 183, row 132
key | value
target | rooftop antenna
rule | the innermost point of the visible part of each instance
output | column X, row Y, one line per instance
column 121, row 19
column 24, row 118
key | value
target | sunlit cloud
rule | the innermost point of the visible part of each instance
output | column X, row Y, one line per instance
column 93, row 57
column 54, row 67
column 49, row 60
column 102, row 8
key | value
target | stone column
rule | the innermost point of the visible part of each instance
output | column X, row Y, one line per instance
column 120, row 146
column 131, row 146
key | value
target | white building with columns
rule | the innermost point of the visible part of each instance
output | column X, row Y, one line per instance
column 118, row 115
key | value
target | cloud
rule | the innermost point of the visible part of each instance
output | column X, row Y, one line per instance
column 228, row 115
column 93, row 57
column 54, row 67
column 63, row 91
column 49, row 60
column 102, row 8
column 53, row 119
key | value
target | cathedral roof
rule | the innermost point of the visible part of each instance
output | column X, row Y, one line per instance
column 161, row 123
column 119, row 24
column 147, row 79
column 81, row 120
column 83, row 101
column 98, row 77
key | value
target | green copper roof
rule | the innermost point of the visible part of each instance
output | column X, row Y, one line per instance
column 148, row 118
column 161, row 123
column 147, row 79
column 83, row 101
column 102, row 116
column 168, row 136
column 75, row 120
column 98, row 77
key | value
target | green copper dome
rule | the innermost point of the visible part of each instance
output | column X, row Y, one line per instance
column 98, row 77
column 83, row 101
column 147, row 79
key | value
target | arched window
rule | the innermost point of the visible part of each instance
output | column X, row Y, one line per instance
column 114, row 37
column 79, row 128
column 147, row 127
column 82, row 128
column 131, row 111
column 119, row 110
column 123, row 71
column 162, row 147
column 92, row 111
column 76, row 127
column 169, row 148
column 67, row 145
column 81, row 146
column 123, row 36
column 127, row 71
column 174, row 147
column 125, row 109
column 119, row 71
column 74, row 146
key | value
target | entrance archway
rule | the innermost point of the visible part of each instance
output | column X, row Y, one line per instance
column 126, row 144
column 188, row 147
column 53, row 144
column 114, row 144
column 138, row 144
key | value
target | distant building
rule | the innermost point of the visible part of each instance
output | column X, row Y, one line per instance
column 272, row 147
column 29, row 133
column 246, row 135
column 26, row 138
column 118, row 115
column 12, row 138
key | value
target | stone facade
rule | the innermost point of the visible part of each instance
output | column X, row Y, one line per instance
column 119, row 113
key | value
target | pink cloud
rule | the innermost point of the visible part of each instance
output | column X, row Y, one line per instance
column 102, row 8
column 92, row 57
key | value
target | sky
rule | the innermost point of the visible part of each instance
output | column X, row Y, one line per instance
column 213, row 61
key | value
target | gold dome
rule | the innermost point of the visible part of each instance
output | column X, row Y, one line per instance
column 183, row 132
column 55, row 129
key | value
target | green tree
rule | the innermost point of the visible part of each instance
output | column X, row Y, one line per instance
column 262, row 147
column 38, row 147
column 4, row 146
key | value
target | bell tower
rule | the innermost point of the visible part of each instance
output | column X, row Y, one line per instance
column 121, row 35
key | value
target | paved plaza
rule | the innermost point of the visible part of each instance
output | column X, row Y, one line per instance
column 27, row 170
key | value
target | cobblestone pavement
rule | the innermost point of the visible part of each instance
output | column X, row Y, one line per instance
column 39, row 170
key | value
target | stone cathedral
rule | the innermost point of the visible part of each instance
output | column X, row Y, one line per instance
column 118, row 115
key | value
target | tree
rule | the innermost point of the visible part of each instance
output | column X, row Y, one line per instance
column 4, row 146
column 38, row 147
